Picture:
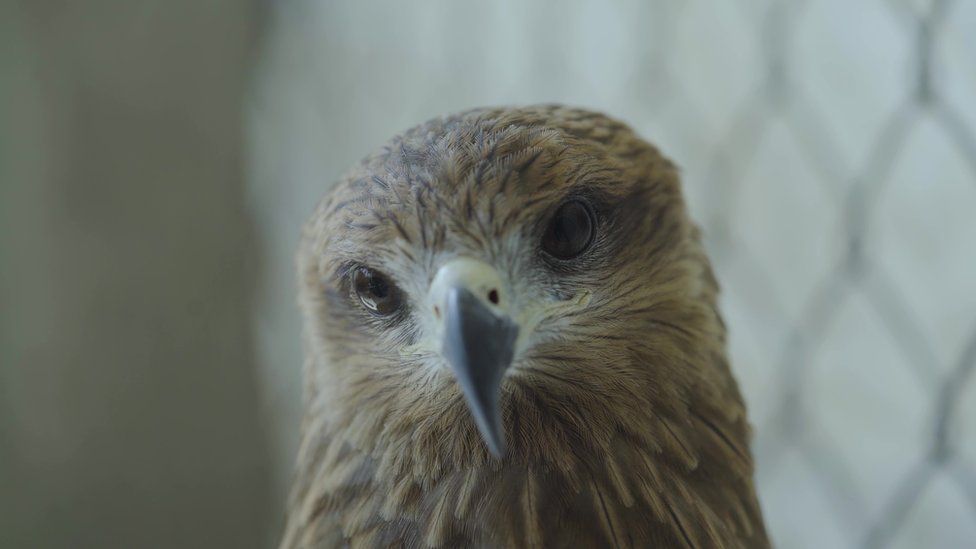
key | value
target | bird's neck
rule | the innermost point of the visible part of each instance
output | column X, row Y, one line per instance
column 439, row 487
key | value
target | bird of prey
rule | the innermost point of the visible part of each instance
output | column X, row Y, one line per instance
column 512, row 340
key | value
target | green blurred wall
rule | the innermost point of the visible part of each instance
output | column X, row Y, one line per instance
column 129, row 408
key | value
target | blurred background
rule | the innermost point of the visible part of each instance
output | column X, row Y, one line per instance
column 157, row 160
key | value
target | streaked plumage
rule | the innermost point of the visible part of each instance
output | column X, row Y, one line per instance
column 624, row 425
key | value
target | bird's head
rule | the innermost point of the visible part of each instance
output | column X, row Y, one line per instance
column 519, row 280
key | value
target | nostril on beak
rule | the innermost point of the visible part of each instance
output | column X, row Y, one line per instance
column 493, row 296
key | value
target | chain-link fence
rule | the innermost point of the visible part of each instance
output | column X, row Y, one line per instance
column 829, row 150
column 872, row 496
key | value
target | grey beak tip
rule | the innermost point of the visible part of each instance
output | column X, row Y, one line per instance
column 494, row 436
column 495, row 447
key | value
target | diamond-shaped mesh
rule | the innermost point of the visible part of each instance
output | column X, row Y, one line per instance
column 810, row 315
column 829, row 151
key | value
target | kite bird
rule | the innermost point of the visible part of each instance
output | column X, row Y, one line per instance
column 512, row 341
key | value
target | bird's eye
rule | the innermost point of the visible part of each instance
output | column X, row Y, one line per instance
column 375, row 291
column 571, row 230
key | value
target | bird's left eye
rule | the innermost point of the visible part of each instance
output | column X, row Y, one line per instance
column 570, row 231
column 375, row 291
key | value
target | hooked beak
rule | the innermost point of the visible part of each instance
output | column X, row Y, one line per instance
column 479, row 343
column 479, row 346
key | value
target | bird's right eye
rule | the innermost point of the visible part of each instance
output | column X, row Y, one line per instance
column 375, row 291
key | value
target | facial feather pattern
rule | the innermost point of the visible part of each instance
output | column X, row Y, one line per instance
column 622, row 424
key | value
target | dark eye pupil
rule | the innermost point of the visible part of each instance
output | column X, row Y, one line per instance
column 378, row 287
column 570, row 232
column 374, row 291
